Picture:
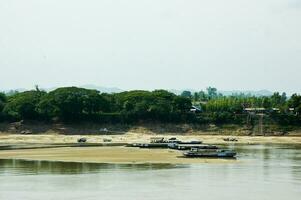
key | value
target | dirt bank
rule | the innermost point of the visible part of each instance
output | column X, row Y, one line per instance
column 84, row 128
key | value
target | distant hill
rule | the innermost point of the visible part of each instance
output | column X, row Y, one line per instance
column 231, row 92
column 247, row 92
column 11, row 92
column 175, row 91
column 92, row 87
column 102, row 89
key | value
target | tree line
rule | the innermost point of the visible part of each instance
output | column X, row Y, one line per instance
column 74, row 104
column 232, row 109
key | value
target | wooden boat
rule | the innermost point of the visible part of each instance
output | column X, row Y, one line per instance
column 217, row 153
column 190, row 142
column 173, row 140
column 173, row 143
column 148, row 145
column 190, row 146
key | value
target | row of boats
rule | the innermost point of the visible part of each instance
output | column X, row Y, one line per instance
column 191, row 148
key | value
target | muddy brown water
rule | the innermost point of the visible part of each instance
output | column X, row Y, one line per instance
column 265, row 172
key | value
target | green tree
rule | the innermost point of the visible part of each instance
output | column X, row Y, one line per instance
column 283, row 98
column 72, row 103
column 186, row 94
column 181, row 104
column 159, row 105
column 2, row 104
column 23, row 105
column 2, row 101
column 295, row 102
column 203, row 96
column 266, row 102
column 196, row 97
column 212, row 92
column 276, row 100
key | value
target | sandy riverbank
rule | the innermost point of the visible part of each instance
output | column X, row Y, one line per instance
column 122, row 155
column 138, row 137
column 119, row 154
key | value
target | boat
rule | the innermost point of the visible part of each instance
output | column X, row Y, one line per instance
column 173, row 140
column 213, row 153
column 153, row 145
column 190, row 142
column 190, row 146
column 172, row 143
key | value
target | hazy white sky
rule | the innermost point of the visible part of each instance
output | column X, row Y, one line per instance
column 147, row 44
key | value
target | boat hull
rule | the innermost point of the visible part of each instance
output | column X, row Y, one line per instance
column 210, row 156
column 214, row 154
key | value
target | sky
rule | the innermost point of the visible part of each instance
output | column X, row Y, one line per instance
column 151, row 44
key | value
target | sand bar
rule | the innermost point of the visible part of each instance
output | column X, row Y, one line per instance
column 122, row 155
column 119, row 154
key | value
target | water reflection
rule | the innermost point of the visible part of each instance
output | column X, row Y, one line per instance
column 273, row 162
column 13, row 166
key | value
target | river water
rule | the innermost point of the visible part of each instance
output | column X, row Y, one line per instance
column 271, row 172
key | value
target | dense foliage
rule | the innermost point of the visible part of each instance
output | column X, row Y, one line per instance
column 23, row 105
column 158, row 105
column 2, row 104
column 73, row 104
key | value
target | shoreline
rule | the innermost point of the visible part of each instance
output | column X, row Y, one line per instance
column 64, row 148
column 61, row 139
column 107, row 155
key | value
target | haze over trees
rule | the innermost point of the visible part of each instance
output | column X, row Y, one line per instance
column 80, row 104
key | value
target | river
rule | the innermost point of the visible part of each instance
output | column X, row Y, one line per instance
column 260, row 172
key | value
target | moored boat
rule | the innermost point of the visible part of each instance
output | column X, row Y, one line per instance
column 190, row 142
column 153, row 145
column 190, row 146
column 173, row 143
column 214, row 153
